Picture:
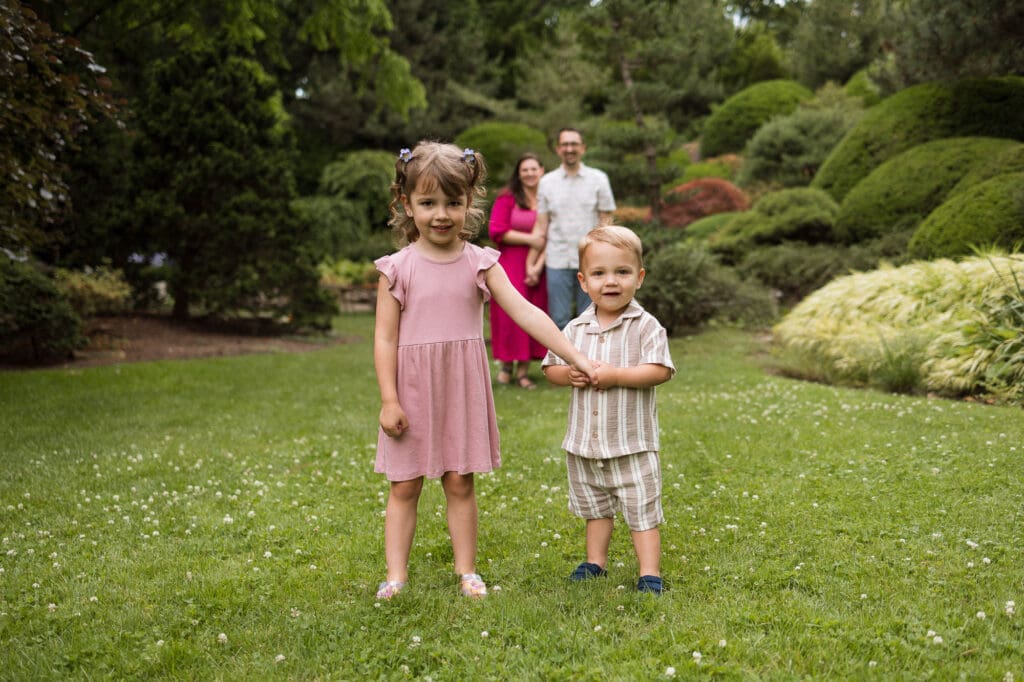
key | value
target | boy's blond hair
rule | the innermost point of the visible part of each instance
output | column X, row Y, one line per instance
column 614, row 235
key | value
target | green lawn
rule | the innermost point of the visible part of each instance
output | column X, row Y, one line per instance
column 812, row 531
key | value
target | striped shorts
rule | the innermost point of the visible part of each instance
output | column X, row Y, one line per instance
column 630, row 484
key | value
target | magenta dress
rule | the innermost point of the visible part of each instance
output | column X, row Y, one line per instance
column 509, row 343
column 444, row 381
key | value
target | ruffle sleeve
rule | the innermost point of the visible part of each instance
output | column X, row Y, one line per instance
column 486, row 259
column 501, row 217
column 387, row 266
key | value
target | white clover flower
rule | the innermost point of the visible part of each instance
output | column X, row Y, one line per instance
column 51, row 607
column 159, row 642
column 722, row 643
column 937, row 639
column 279, row 658
column 597, row 628
column 980, row 615
column 267, row 554
column 1011, row 608
column 697, row 657
column 670, row 672
column 228, row 520
column 986, row 561
column 972, row 544
column 485, row 634
column 872, row 664
column 222, row 638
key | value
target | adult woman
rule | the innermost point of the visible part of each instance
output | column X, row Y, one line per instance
column 511, row 228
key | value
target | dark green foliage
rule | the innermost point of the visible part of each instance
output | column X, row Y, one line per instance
column 51, row 91
column 656, row 238
column 796, row 269
column 756, row 57
column 788, row 150
column 216, row 191
column 918, row 114
column 989, row 214
column 862, row 87
column 502, row 144
column 901, row 192
column 708, row 226
column 36, row 322
column 686, row 287
column 619, row 149
column 836, row 38
column 801, row 214
column 931, row 41
column 1008, row 160
column 738, row 118
column 351, row 205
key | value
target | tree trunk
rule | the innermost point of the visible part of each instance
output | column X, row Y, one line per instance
column 653, row 185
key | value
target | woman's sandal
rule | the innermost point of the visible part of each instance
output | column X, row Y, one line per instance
column 389, row 588
column 472, row 585
column 523, row 381
column 505, row 375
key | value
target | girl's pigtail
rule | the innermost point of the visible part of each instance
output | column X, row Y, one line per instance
column 478, row 171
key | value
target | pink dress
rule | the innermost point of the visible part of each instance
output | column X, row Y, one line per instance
column 509, row 343
column 444, row 381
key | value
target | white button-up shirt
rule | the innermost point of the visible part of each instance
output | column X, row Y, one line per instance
column 573, row 204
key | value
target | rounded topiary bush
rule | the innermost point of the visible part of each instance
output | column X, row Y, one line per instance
column 929, row 111
column 788, row 150
column 686, row 287
column 901, row 192
column 502, row 144
column 801, row 214
column 1008, row 160
column 700, row 198
column 989, row 214
column 729, row 126
column 708, row 226
column 860, row 86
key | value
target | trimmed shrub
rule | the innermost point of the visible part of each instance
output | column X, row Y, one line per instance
column 901, row 192
column 725, row 167
column 351, row 207
column 730, row 125
column 988, row 214
column 708, row 226
column 942, row 326
column 929, row 111
column 36, row 321
column 1009, row 160
column 788, row 150
column 700, row 198
column 94, row 291
column 801, row 214
column 861, row 86
column 686, row 288
column 502, row 144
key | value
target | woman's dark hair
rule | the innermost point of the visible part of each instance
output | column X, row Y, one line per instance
column 515, row 185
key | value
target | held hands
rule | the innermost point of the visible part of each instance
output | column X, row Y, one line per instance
column 533, row 274
column 582, row 374
column 393, row 420
column 601, row 377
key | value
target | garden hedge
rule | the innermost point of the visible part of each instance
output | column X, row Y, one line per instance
column 901, row 192
column 989, row 214
column 730, row 125
column 929, row 111
column 502, row 144
column 801, row 214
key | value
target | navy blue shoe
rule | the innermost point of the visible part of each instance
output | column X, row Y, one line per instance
column 649, row 583
column 587, row 570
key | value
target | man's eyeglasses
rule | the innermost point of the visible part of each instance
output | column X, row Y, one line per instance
column 570, row 144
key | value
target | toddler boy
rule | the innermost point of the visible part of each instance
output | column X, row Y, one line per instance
column 612, row 440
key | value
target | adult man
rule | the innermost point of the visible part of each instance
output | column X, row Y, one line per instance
column 571, row 200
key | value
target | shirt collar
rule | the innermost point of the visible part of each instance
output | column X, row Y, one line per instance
column 581, row 172
column 588, row 318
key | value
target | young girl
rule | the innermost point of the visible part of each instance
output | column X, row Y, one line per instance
column 437, row 411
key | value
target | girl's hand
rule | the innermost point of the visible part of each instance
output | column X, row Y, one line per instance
column 583, row 374
column 393, row 420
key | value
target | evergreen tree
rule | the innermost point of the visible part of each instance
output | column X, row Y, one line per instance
column 954, row 39
column 215, row 188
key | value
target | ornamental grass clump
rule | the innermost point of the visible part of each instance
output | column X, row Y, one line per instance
column 952, row 328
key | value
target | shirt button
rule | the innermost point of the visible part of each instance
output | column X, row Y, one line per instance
column 595, row 434
column 595, row 413
column 600, row 339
